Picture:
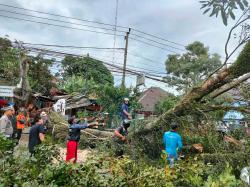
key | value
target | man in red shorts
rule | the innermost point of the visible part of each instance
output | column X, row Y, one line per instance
column 74, row 137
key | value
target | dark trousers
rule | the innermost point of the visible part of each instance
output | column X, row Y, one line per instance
column 19, row 134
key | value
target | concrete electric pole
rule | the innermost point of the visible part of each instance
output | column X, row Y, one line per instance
column 125, row 59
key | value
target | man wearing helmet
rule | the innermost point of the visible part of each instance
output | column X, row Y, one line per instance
column 125, row 115
column 119, row 138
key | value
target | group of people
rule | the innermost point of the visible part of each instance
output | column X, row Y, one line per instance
column 171, row 139
column 12, row 125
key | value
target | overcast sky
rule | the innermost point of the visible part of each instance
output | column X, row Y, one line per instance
column 178, row 21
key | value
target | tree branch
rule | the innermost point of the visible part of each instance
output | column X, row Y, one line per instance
column 211, row 108
column 230, row 86
column 227, row 42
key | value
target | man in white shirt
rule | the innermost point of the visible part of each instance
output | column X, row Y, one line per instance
column 5, row 124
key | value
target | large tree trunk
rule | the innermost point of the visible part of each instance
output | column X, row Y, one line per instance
column 239, row 68
column 24, row 92
column 59, row 127
column 230, row 86
column 149, row 138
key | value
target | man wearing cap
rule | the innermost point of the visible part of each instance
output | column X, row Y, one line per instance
column 119, row 138
column 173, row 143
column 125, row 115
column 5, row 124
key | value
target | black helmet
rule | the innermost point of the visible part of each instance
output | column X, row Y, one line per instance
column 174, row 126
column 126, row 123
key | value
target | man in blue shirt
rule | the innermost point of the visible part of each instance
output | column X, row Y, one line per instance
column 74, row 136
column 125, row 115
column 173, row 143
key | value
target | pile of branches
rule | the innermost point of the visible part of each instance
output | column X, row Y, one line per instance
column 60, row 128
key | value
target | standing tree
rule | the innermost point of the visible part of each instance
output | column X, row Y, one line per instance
column 88, row 68
column 80, row 85
column 15, row 63
column 190, row 69
column 39, row 75
column 9, row 64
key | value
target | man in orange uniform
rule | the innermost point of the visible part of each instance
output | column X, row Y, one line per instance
column 20, row 123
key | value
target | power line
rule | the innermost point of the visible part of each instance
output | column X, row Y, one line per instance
column 160, row 38
column 142, row 57
column 56, row 20
column 140, row 68
column 154, row 45
column 158, row 42
column 58, row 15
column 62, row 26
column 95, row 22
column 64, row 53
column 106, row 63
column 138, row 71
column 71, row 46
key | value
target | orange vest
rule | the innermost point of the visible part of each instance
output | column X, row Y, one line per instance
column 19, row 118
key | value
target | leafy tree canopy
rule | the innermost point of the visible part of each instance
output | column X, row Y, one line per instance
column 40, row 77
column 166, row 105
column 39, row 74
column 224, row 7
column 111, row 98
column 9, row 68
column 189, row 69
column 79, row 84
column 88, row 68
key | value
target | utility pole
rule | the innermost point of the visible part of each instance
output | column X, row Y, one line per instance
column 125, row 59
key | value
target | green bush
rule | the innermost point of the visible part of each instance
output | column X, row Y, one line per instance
column 46, row 168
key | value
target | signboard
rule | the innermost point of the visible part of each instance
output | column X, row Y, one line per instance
column 140, row 80
column 59, row 106
column 7, row 91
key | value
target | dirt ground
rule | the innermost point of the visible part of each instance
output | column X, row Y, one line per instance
column 81, row 154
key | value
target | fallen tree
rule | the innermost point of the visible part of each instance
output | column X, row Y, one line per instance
column 149, row 136
column 59, row 128
column 197, row 94
column 193, row 105
column 230, row 85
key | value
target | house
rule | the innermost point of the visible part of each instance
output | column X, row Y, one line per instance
column 78, row 102
column 239, row 101
column 149, row 98
column 234, row 119
column 6, row 95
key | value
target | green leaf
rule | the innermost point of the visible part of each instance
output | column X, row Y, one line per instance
column 232, row 14
column 224, row 17
column 206, row 10
column 213, row 12
column 245, row 3
column 217, row 13
column 203, row 6
column 241, row 5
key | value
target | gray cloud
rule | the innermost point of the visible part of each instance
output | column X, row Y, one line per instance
column 180, row 21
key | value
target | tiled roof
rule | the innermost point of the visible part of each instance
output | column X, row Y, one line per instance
column 151, row 97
